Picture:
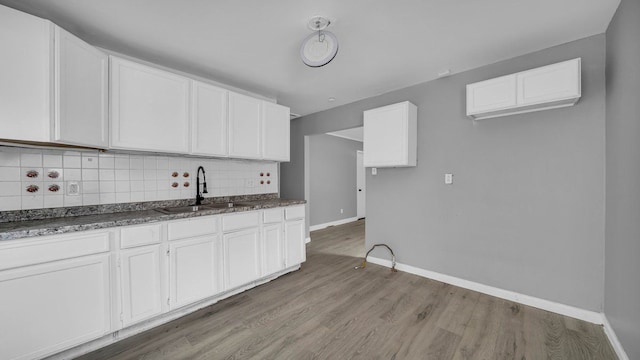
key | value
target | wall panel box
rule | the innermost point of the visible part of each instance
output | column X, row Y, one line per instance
column 548, row 87
column 390, row 136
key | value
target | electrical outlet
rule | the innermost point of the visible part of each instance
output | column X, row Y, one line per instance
column 448, row 179
column 374, row 171
column 73, row 188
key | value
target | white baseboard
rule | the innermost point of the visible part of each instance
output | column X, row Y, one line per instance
column 332, row 223
column 562, row 309
column 613, row 339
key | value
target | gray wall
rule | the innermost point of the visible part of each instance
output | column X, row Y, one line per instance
column 332, row 178
column 622, row 252
column 526, row 210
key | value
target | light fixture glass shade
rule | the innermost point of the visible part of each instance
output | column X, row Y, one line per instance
column 319, row 48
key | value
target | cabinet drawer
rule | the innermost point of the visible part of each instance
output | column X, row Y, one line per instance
column 192, row 227
column 296, row 212
column 139, row 235
column 240, row 221
column 272, row 216
column 54, row 248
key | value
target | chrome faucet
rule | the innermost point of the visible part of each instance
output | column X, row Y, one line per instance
column 199, row 196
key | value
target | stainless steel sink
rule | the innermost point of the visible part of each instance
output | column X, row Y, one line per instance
column 196, row 208
column 181, row 209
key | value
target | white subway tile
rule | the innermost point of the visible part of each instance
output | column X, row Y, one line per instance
column 10, row 203
column 136, row 174
column 121, row 162
column 9, row 158
column 31, row 159
column 136, row 162
column 73, row 200
column 137, row 196
column 106, row 161
column 9, row 173
column 150, row 185
column 107, row 198
column 107, row 174
column 52, row 160
column 90, row 187
column 122, row 175
column 123, row 197
column 150, row 196
column 71, row 162
column 123, row 186
column 107, row 187
column 90, row 175
column 163, row 195
column 137, row 185
column 91, row 199
column 150, row 163
column 53, row 201
column 163, row 163
column 150, row 174
column 73, row 174
column 32, row 202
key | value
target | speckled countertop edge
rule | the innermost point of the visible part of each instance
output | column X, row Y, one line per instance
column 60, row 225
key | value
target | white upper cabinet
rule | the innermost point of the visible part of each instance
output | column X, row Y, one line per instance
column 149, row 108
column 209, row 128
column 548, row 87
column 53, row 86
column 244, row 126
column 491, row 95
column 81, row 92
column 553, row 83
column 275, row 131
column 390, row 136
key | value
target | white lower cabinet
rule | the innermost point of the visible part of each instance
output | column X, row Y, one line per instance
column 57, row 292
column 54, row 306
column 194, row 270
column 295, row 251
column 242, row 257
column 140, row 284
column 272, row 249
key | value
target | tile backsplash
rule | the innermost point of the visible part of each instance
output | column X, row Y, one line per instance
column 35, row 178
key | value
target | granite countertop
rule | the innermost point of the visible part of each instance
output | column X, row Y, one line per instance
column 103, row 216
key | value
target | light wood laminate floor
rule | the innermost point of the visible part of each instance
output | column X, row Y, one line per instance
column 328, row 310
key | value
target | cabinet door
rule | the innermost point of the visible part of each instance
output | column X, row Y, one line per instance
column 244, row 126
column 272, row 249
column 242, row 257
column 81, row 92
column 275, row 131
column 26, row 76
column 194, row 270
column 491, row 95
column 390, row 135
column 208, row 120
column 549, row 83
column 149, row 108
column 295, row 250
column 55, row 306
column 140, row 282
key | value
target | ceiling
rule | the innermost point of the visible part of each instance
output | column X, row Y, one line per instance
column 384, row 44
column 356, row 134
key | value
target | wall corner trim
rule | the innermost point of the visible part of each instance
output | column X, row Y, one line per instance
column 613, row 339
column 332, row 223
column 307, row 240
column 562, row 309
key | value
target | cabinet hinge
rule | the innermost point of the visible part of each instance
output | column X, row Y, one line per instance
column 168, row 251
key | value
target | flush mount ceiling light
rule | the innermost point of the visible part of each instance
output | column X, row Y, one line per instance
column 319, row 48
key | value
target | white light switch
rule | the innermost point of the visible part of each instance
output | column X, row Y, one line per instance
column 448, row 179
column 73, row 188
column 374, row 171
